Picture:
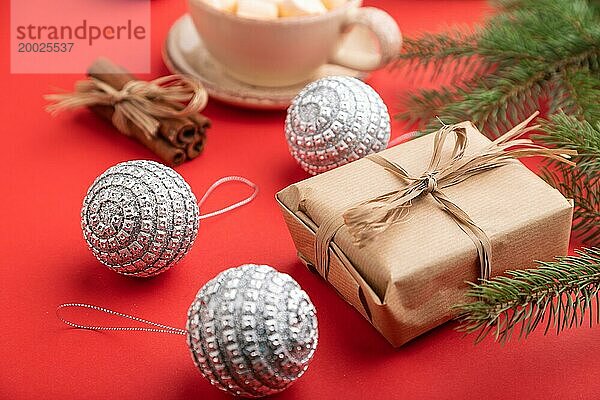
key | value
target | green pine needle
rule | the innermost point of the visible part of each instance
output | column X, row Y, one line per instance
column 557, row 295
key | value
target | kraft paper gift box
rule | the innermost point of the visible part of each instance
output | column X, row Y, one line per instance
column 406, row 280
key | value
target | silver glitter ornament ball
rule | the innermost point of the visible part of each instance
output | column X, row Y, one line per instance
column 252, row 330
column 139, row 218
column 336, row 120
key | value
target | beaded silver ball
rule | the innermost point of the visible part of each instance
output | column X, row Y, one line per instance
column 139, row 218
column 334, row 121
column 252, row 330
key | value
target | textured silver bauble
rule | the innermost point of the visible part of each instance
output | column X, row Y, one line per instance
column 139, row 218
column 252, row 330
column 336, row 120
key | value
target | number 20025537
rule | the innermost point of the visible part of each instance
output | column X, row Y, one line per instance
column 45, row 47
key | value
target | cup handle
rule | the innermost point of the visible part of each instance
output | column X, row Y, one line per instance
column 355, row 49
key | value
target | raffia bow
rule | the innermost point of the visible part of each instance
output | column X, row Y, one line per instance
column 374, row 216
column 140, row 102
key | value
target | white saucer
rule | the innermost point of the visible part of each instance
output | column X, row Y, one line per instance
column 185, row 53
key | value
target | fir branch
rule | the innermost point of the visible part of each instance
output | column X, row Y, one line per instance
column 530, row 49
column 582, row 182
column 439, row 47
column 496, row 104
column 531, row 54
column 510, row 5
column 454, row 48
column 566, row 131
column 584, row 189
column 558, row 294
column 502, row 101
column 584, row 87
column 426, row 104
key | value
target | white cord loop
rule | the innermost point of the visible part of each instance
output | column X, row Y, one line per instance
column 220, row 182
column 160, row 328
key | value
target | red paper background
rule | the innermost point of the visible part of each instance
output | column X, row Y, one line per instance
column 48, row 165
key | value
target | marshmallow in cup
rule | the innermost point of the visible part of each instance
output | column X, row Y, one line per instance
column 272, row 9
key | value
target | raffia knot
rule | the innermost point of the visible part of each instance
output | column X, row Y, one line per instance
column 429, row 181
column 119, row 96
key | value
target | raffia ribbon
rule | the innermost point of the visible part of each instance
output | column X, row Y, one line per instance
column 140, row 102
column 371, row 218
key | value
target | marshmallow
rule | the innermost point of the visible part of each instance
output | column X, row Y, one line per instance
column 331, row 4
column 223, row 5
column 293, row 8
column 257, row 9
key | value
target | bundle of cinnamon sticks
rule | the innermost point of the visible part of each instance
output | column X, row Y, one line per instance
column 177, row 139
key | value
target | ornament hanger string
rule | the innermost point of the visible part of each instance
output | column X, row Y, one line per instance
column 220, row 182
column 159, row 328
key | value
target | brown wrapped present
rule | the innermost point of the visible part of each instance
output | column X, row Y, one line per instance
column 399, row 234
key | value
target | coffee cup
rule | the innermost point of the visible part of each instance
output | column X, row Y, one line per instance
column 288, row 51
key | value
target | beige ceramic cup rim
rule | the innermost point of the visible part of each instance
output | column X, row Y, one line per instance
column 296, row 20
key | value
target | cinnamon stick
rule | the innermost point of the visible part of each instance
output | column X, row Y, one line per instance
column 158, row 145
column 202, row 122
column 195, row 148
column 179, row 132
column 175, row 136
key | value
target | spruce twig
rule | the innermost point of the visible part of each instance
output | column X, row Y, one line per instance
column 558, row 295
column 533, row 54
column 584, row 189
column 569, row 132
column 580, row 183
column 530, row 51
